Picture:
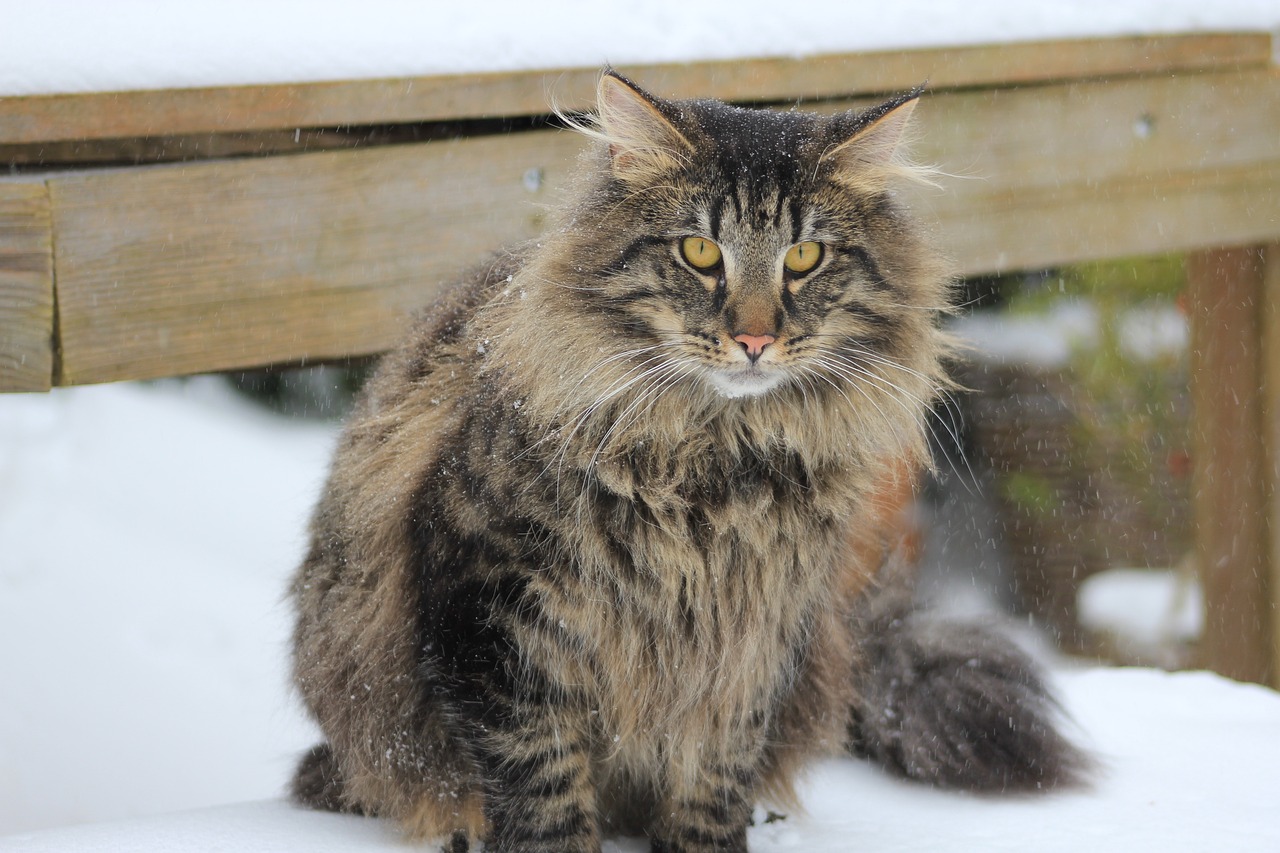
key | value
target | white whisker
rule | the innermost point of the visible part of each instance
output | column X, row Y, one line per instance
column 674, row 372
column 895, row 392
column 635, row 373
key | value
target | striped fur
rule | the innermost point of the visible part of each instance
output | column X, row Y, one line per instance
column 583, row 567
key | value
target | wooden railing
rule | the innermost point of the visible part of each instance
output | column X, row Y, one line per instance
column 147, row 234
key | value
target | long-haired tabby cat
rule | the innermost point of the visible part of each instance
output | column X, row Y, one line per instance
column 593, row 554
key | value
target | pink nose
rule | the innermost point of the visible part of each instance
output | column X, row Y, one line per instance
column 754, row 344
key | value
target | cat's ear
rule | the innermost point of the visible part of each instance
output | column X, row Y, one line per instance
column 643, row 143
column 872, row 152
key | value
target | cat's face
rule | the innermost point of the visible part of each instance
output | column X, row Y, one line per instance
column 752, row 250
column 763, row 283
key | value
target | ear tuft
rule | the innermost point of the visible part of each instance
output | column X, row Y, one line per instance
column 643, row 143
column 874, row 151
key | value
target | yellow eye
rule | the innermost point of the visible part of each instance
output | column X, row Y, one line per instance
column 701, row 253
column 803, row 257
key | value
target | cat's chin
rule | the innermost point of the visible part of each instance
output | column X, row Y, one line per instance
column 748, row 382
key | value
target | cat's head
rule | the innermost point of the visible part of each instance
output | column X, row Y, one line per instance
column 721, row 255
column 757, row 249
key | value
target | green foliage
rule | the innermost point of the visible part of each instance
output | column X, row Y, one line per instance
column 1031, row 493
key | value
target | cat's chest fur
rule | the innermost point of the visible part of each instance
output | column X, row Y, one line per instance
column 685, row 585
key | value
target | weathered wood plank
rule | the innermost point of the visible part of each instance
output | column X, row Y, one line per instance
column 1225, row 300
column 317, row 280
column 1050, row 227
column 238, row 263
column 1081, row 171
column 228, row 264
column 1101, row 130
column 26, row 287
column 44, row 119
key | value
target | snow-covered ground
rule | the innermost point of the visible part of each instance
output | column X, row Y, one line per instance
column 1191, row 769
column 146, row 534
column 146, row 537
column 87, row 45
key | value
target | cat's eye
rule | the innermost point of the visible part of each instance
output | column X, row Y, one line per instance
column 700, row 253
column 803, row 257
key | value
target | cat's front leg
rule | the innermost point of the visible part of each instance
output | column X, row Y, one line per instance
column 532, row 740
column 541, row 797
column 711, row 814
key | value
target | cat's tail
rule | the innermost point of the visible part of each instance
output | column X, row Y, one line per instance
column 317, row 783
column 957, row 706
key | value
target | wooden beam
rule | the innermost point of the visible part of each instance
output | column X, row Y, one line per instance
column 1145, row 215
column 1226, row 299
column 36, row 120
column 228, row 264
column 1075, row 172
column 26, row 287
column 171, row 270
column 993, row 140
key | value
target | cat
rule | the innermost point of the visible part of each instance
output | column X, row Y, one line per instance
column 598, row 552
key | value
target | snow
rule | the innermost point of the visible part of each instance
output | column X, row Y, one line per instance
column 64, row 46
column 1154, row 331
column 148, row 533
column 1048, row 338
column 1044, row 340
column 145, row 537
column 1149, row 606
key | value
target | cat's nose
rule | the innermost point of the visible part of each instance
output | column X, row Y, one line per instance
column 754, row 344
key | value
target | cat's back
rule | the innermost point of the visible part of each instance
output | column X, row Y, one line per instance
column 403, row 422
column 437, row 344
column 403, row 414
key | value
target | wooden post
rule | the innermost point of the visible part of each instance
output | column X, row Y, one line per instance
column 1226, row 300
column 1271, row 435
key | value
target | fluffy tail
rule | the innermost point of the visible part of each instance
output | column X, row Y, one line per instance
column 957, row 706
column 317, row 783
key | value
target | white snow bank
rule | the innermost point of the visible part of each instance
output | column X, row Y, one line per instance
column 1149, row 606
column 67, row 46
column 1148, row 617
column 1190, row 763
column 1048, row 339
column 146, row 535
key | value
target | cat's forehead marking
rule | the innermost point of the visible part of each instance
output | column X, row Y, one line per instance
column 778, row 214
column 714, row 215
